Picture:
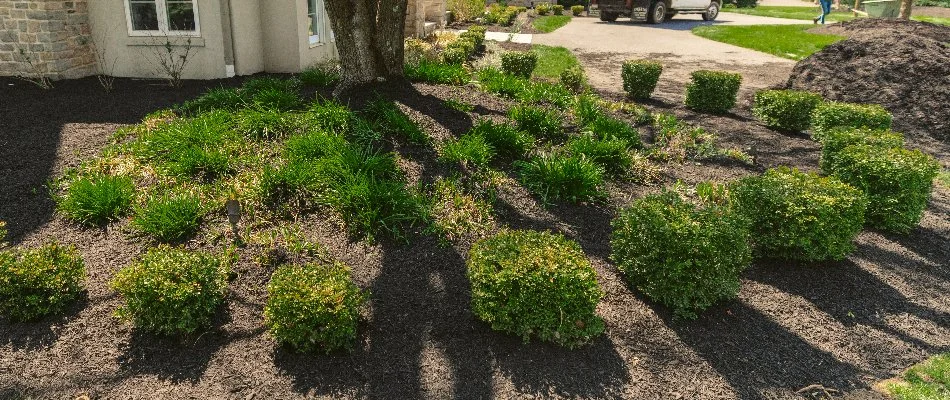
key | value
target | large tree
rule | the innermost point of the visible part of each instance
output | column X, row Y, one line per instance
column 369, row 38
column 906, row 7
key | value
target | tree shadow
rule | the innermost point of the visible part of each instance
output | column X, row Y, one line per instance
column 35, row 335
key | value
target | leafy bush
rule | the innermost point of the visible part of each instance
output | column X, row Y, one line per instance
column 788, row 110
column 897, row 181
column 713, row 91
column 686, row 256
column 613, row 155
column 320, row 75
column 98, row 199
column 609, row 128
column 331, row 116
column 555, row 177
column 507, row 141
column 201, row 147
column 171, row 291
column 454, row 56
column 39, row 282
column 538, row 122
column 746, row 3
column 803, row 216
column 313, row 307
column 169, row 217
column 456, row 214
column 519, row 63
column 266, row 123
column 468, row 149
column 539, row 284
column 558, row 9
column 437, row 73
column 577, row 10
column 830, row 115
column 840, row 138
column 476, row 36
column 542, row 8
column 214, row 99
column 674, row 140
column 640, row 77
column 390, row 119
column 465, row 10
column 573, row 79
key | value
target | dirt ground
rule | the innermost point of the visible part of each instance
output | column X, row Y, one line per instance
column 840, row 325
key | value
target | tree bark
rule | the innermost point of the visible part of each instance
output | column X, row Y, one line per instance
column 906, row 7
column 369, row 38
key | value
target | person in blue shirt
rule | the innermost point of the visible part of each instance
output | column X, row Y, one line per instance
column 825, row 10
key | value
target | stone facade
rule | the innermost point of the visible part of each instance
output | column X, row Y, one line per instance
column 424, row 17
column 45, row 38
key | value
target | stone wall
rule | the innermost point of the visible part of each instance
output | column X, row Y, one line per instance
column 48, row 38
column 419, row 12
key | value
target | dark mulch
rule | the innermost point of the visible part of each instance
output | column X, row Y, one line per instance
column 839, row 325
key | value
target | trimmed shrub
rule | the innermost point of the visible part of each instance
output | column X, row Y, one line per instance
column 172, row 291
column 454, row 56
column 39, row 282
column 788, row 110
column 613, row 155
column 558, row 9
column 519, row 63
column 577, row 10
column 438, row 73
column 313, row 307
column 97, row 199
column 555, row 177
column 840, row 138
column 542, row 8
column 830, row 115
column 897, row 181
column 801, row 216
column 476, row 36
column 468, row 150
column 507, row 141
column 686, row 256
column 713, row 91
column 465, row 10
column 640, row 77
column 573, row 79
column 535, row 284
column 169, row 218
column 539, row 122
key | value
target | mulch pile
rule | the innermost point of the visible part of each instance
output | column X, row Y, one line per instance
column 901, row 65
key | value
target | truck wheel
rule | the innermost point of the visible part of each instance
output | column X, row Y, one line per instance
column 657, row 13
column 608, row 17
column 712, row 12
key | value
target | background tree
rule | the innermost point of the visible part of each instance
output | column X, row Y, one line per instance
column 369, row 38
column 906, row 7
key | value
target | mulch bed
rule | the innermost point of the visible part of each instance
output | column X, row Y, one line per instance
column 841, row 325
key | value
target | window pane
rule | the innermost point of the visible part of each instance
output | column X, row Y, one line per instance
column 311, row 7
column 144, row 16
column 181, row 16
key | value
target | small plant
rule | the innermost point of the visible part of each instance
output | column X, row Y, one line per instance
column 927, row 380
column 830, row 115
column 685, row 254
column 171, row 60
column 608, row 128
column 465, row 10
column 558, row 9
column 897, row 182
column 788, row 110
column 200, row 147
column 840, row 138
column 542, row 8
column 39, row 282
column 313, row 307
column 802, row 216
column 554, row 177
column 469, row 149
column 538, row 122
column 437, row 73
column 277, row 99
column 227, row 99
column 613, row 155
column 577, row 10
column 172, row 291
column 573, row 79
column 254, row 86
column 535, row 284
column 476, row 36
column 676, row 141
column 97, row 199
column 543, row 92
column 321, row 75
column 331, row 116
column 3, row 234
column 169, row 218
column 390, row 119
column 497, row 82
column 640, row 77
column 713, row 91
column 519, row 63
column 507, row 141
column 265, row 124
column 456, row 214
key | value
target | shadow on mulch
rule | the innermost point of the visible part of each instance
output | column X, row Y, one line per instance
column 43, row 333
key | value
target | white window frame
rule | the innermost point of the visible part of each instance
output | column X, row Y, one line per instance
column 318, row 12
column 162, row 11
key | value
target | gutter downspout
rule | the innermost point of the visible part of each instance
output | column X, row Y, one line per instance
column 227, row 22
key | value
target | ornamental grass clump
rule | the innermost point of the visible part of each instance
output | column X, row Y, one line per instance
column 787, row 110
column 713, row 91
column 172, row 291
column 266, row 124
column 559, row 177
column 203, row 147
column 684, row 253
column 227, row 99
column 437, row 73
column 468, row 150
column 535, row 284
column 613, row 155
column 833, row 114
column 506, row 140
column 801, row 216
column 388, row 118
column 313, row 307
column 519, row 63
column 541, row 123
column 35, row 283
column 169, row 217
column 640, row 77
column 97, row 199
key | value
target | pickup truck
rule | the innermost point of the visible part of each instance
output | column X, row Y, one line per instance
column 657, row 11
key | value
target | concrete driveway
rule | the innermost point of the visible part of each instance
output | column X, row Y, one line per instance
column 603, row 46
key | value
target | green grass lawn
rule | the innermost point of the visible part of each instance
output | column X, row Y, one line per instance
column 787, row 41
column 925, row 381
column 552, row 60
column 932, row 20
column 807, row 13
column 550, row 23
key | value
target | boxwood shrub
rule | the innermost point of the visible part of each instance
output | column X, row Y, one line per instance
column 172, row 291
column 787, row 110
column 313, row 307
column 573, row 79
column 535, row 284
column 640, row 77
column 835, row 114
column 897, row 181
column 577, row 10
column 840, row 138
column 558, row 9
column 802, row 216
column 557, row 177
column 684, row 255
column 38, row 282
column 519, row 63
column 713, row 91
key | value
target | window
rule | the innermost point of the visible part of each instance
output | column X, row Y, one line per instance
column 163, row 17
column 315, row 19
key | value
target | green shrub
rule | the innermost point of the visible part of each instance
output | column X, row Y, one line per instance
column 454, row 56
column 746, row 3
column 497, row 82
column 555, row 177
column 558, row 9
column 465, row 10
column 840, row 138
column 538, row 122
column 640, row 77
column 468, row 149
column 476, row 36
column 170, row 217
column 320, row 76
column 686, row 256
column 437, row 73
column 788, row 110
column 276, row 99
column 467, row 44
column 39, row 282
column 613, row 155
column 202, row 147
column 609, row 128
column 265, row 123
column 577, row 10
column 542, row 8
column 535, row 284
column 543, row 92
column 254, row 86
column 331, row 116
column 674, row 140
column 171, row 291
column 519, row 63
column 713, row 91
column 830, row 115
column 313, row 307
column 98, row 199
column 215, row 99
column 390, row 119
column 573, row 79
column 802, row 216
column 507, row 141
column 897, row 181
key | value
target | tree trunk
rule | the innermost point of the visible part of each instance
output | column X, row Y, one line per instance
column 369, row 38
column 906, row 6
